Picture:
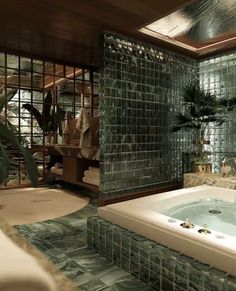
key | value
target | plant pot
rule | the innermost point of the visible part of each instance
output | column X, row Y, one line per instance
column 203, row 168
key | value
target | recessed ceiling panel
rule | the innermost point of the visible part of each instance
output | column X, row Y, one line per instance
column 202, row 25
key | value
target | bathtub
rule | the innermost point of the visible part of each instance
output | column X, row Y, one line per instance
column 143, row 217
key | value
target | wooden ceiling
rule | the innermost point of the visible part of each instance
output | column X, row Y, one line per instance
column 70, row 31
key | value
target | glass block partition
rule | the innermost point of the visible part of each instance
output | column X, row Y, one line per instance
column 141, row 88
column 218, row 74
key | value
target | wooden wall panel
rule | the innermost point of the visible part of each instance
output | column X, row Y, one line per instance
column 70, row 30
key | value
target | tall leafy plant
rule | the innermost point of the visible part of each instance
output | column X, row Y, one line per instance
column 48, row 120
column 201, row 109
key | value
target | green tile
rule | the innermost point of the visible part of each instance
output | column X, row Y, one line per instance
column 116, row 254
column 144, row 274
column 155, row 280
column 140, row 83
column 167, row 285
column 131, row 285
column 193, row 286
column 181, row 282
column 230, row 284
column 182, row 269
column 212, row 282
column 167, row 274
column 196, row 273
column 63, row 241
column 179, row 288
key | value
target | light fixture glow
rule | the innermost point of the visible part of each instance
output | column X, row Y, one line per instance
column 201, row 26
column 171, row 25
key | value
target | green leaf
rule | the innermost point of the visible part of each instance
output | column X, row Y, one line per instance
column 4, row 100
column 47, row 105
column 8, row 136
column 202, row 107
column 34, row 111
column 4, row 164
column 30, row 165
column 228, row 104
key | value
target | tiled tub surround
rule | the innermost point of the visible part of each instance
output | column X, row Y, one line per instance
column 144, row 217
column 141, row 88
column 160, row 267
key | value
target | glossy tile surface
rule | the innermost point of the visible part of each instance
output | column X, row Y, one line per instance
column 158, row 266
column 217, row 74
column 64, row 242
column 141, row 89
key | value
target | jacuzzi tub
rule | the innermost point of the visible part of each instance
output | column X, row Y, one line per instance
column 143, row 216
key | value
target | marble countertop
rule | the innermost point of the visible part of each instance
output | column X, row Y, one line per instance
column 63, row 283
column 193, row 179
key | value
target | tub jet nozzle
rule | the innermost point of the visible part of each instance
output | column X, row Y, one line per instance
column 187, row 224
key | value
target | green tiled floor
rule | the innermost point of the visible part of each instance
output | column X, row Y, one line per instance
column 63, row 240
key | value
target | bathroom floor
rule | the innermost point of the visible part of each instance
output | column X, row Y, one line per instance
column 63, row 241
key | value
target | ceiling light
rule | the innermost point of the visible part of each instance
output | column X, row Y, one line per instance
column 171, row 25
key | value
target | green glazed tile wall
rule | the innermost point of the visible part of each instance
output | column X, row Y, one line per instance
column 141, row 89
column 218, row 74
column 156, row 265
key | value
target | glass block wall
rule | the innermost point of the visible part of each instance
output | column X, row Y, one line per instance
column 24, row 84
column 218, row 74
column 141, row 88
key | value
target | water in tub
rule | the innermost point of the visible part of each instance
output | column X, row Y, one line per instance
column 218, row 215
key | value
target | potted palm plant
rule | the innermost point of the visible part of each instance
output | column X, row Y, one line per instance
column 202, row 108
column 49, row 120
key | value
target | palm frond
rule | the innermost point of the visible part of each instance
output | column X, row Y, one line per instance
column 4, row 100
column 7, row 135
column 203, row 108
column 47, row 120
column 193, row 111
column 191, row 93
column 215, row 119
column 4, row 164
column 182, row 121
column 34, row 111
column 58, row 117
column 30, row 165
column 228, row 104
column 47, row 105
column 207, row 111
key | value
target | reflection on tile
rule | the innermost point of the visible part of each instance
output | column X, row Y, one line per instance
column 141, row 89
column 156, row 265
column 64, row 241
column 218, row 74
